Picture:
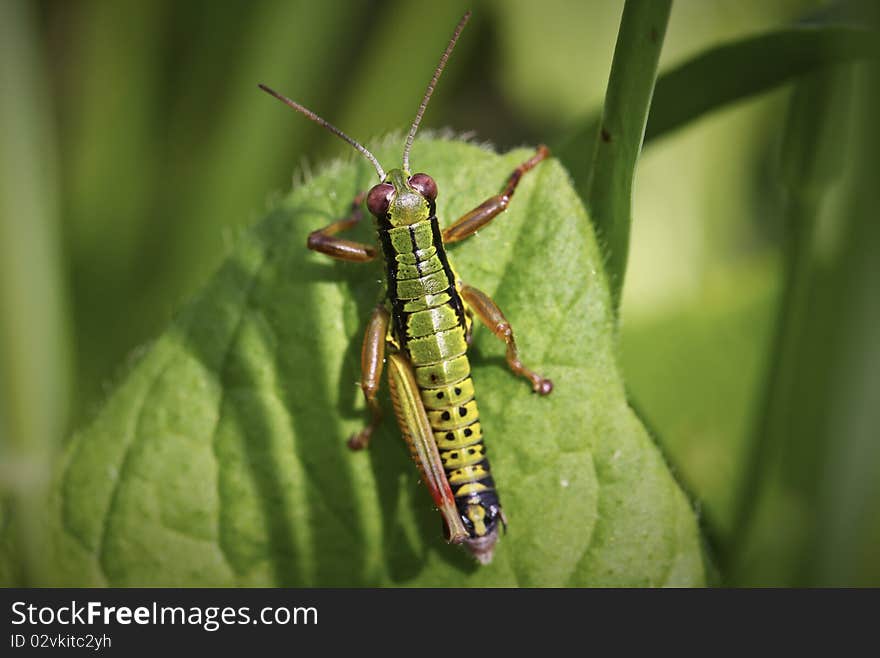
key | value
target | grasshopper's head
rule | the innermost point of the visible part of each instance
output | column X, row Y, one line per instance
column 402, row 200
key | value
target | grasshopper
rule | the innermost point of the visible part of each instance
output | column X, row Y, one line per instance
column 421, row 329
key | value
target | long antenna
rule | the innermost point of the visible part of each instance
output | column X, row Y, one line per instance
column 329, row 126
column 430, row 90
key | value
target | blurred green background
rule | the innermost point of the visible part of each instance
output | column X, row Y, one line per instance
column 136, row 146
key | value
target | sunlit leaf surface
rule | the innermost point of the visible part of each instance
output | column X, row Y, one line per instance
column 221, row 460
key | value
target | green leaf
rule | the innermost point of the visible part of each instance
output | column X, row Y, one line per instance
column 221, row 458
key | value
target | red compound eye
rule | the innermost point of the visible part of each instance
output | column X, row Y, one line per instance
column 379, row 198
column 424, row 185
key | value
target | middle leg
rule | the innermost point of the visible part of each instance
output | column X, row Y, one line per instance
column 490, row 315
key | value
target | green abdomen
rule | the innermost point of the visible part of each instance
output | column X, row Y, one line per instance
column 429, row 323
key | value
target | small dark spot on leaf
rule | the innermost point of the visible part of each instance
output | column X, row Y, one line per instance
column 606, row 136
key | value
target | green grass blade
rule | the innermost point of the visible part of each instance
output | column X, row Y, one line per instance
column 112, row 167
column 619, row 139
column 812, row 439
column 844, row 546
column 742, row 69
column 34, row 373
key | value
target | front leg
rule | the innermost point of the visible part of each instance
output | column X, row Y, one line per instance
column 484, row 213
column 324, row 240
column 490, row 315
